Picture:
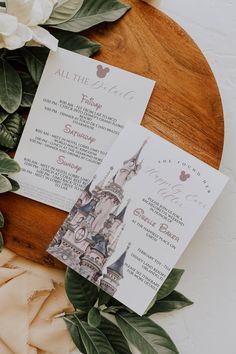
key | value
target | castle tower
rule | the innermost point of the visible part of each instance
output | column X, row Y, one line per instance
column 111, row 196
column 84, row 197
column 86, row 194
column 130, row 168
column 93, row 260
column 83, row 212
column 117, row 222
column 100, row 185
column 113, row 243
column 119, row 219
column 110, row 281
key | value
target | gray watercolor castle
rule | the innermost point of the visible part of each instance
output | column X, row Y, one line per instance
column 90, row 234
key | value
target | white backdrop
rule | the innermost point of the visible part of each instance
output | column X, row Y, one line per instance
column 208, row 327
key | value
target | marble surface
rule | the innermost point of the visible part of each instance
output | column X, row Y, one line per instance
column 210, row 260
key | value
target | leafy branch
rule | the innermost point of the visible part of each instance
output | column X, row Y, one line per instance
column 93, row 333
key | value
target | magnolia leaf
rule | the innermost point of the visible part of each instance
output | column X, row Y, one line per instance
column 1, row 220
column 1, row 242
column 94, row 317
column 72, row 326
column 103, row 298
column 81, row 292
column 28, row 89
column 94, row 341
column 11, row 88
column 35, row 58
column 76, row 43
column 14, row 185
column 115, row 336
column 10, row 130
column 15, row 56
column 4, row 155
column 64, row 11
column 114, row 309
column 94, row 12
column 174, row 301
column 9, row 166
column 170, row 283
column 145, row 334
column 113, row 306
column 3, row 115
column 5, row 184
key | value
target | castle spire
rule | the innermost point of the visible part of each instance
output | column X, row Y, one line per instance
column 121, row 215
column 130, row 168
column 87, row 188
column 134, row 159
column 101, row 246
column 114, row 177
column 114, row 243
column 116, row 210
column 117, row 266
column 102, row 182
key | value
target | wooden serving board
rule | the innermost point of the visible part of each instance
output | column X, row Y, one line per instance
column 185, row 108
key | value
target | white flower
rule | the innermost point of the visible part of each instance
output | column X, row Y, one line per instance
column 19, row 23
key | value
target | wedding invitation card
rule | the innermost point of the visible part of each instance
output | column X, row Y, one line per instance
column 136, row 216
column 80, row 108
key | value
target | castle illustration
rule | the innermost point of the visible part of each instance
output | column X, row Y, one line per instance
column 90, row 233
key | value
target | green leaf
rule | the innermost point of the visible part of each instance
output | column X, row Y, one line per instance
column 170, row 283
column 1, row 242
column 103, row 298
column 28, row 89
column 76, row 43
column 72, row 326
column 81, row 292
column 11, row 88
column 4, row 155
column 95, row 342
column 145, row 334
column 114, row 306
column 115, row 336
column 8, row 166
column 174, row 301
column 1, row 220
column 10, row 130
column 94, row 12
column 3, row 115
column 35, row 58
column 14, row 185
column 94, row 317
column 5, row 185
column 15, row 56
column 64, row 11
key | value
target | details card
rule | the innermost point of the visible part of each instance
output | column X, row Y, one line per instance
column 80, row 108
column 136, row 216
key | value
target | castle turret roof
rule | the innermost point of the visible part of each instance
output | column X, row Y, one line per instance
column 89, row 207
column 118, row 265
column 87, row 188
column 136, row 156
column 121, row 215
column 101, row 246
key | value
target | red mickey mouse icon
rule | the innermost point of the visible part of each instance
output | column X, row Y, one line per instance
column 184, row 176
column 102, row 72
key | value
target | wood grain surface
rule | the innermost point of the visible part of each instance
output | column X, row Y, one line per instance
column 185, row 108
